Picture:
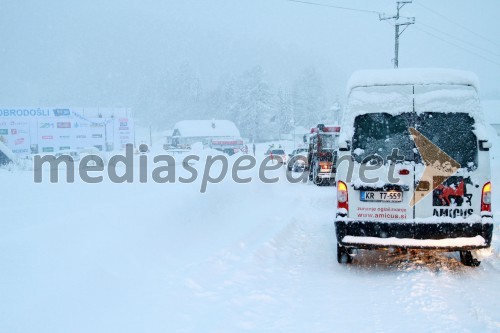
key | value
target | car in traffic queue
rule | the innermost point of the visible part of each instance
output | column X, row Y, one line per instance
column 322, row 154
column 297, row 160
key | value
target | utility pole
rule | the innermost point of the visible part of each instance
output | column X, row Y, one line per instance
column 398, row 21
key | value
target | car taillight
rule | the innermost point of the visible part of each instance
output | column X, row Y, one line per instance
column 342, row 196
column 486, row 198
column 325, row 166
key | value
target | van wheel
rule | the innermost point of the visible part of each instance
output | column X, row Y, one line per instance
column 343, row 255
column 467, row 259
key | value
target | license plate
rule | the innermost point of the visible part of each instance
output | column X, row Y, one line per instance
column 390, row 196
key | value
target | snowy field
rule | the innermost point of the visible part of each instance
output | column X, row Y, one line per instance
column 256, row 257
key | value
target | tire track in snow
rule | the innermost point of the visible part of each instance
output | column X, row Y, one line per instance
column 283, row 276
column 276, row 267
column 257, row 273
column 435, row 291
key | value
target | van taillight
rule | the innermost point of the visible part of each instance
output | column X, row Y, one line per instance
column 404, row 172
column 486, row 198
column 342, row 197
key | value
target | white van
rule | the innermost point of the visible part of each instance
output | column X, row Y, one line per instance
column 414, row 164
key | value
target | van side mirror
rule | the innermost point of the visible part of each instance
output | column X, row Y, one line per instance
column 344, row 146
column 484, row 145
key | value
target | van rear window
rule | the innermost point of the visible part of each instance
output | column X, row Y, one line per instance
column 453, row 134
column 379, row 133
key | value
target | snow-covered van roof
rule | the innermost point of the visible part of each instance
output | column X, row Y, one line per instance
column 417, row 76
column 412, row 90
column 420, row 90
column 206, row 128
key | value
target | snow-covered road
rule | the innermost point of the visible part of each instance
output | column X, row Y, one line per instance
column 255, row 257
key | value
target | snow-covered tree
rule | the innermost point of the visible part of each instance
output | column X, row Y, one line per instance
column 284, row 116
column 171, row 96
column 253, row 107
column 260, row 111
column 309, row 99
column 335, row 112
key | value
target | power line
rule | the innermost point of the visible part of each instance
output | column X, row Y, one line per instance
column 460, row 39
column 450, row 35
column 457, row 46
column 411, row 21
column 456, row 23
column 337, row 7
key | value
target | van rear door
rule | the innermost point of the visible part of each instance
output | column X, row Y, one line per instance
column 449, row 180
column 382, row 142
column 448, row 186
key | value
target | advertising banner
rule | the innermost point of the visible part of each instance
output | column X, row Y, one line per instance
column 124, row 132
column 54, row 134
column 48, row 130
column 15, row 134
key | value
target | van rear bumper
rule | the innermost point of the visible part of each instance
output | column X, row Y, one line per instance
column 449, row 236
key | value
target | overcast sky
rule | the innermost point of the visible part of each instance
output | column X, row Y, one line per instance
column 98, row 53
